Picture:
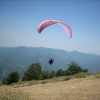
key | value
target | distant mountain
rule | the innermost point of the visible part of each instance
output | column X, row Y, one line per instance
column 20, row 58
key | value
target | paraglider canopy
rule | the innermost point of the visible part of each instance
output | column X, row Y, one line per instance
column 47, row 23
column 50, row 61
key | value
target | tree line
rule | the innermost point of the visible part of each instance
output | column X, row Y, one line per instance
column 35, row 72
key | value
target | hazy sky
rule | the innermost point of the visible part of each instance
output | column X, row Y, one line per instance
column 19, row 20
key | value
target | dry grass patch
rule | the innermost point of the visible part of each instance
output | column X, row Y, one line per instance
column 7, row 93
column 97, row 75
column 75, row 89
column 87, row 88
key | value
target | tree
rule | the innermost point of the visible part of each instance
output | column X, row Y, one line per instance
column 60, row 72
column 53, row 74
column 4, row 81
column 74, row 68
column 85, row 70
column 33, row 72
column 68, row 72
column 13, row 77
column 47, row 74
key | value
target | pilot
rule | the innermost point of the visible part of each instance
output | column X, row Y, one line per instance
column 50, row 61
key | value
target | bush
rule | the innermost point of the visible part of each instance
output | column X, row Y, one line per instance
column 12, row 78
column 80, row 75
column 85, row 70
column 68, row 72
column 48, row 74
column 4, row 81
column 60, row 72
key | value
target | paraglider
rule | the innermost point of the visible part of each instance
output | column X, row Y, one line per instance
column 47, row 23
column 50, row 61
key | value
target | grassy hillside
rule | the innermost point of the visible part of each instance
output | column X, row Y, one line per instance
column 61, row 88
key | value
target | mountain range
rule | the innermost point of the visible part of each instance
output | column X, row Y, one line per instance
column 20, row 58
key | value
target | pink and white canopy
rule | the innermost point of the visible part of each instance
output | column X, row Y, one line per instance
column 47, row 23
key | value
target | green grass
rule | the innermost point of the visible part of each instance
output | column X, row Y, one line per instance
column 80, row 75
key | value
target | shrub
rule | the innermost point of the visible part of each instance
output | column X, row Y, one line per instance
column 85, row 70
column 12, row 78
column 4, row 81
column 80, row 75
